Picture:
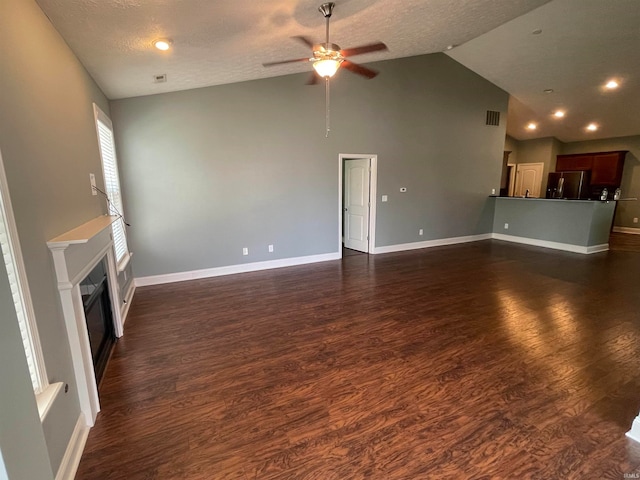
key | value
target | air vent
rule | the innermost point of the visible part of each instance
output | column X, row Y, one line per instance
column 162, row 78
column 493, row 118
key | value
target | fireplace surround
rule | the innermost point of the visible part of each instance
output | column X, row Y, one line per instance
column 75, row 255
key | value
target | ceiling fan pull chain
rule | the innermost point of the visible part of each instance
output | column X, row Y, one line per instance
column 326, row 103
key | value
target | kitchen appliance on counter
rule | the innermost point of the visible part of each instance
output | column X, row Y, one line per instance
column 569, row 185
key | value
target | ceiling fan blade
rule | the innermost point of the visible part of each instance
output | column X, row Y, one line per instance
column 271, row 64
column 313, row 79
column 374, row 47
column 306, row 40
column 359, row 69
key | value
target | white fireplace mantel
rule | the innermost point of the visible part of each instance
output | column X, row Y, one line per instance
column 75, row 254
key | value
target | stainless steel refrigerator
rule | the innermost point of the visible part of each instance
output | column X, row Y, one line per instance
column 570, row 185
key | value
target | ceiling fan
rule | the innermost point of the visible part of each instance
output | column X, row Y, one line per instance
column 328, row 57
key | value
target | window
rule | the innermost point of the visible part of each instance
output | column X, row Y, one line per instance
column 107, row 146
column 12, row 258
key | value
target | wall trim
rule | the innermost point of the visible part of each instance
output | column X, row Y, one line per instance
column 401, row 247
column 631, row 230
column 233, row 269
column 128, row 298
column 567, row 247
column 71, row 459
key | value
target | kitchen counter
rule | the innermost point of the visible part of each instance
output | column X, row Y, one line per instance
column 580, row 226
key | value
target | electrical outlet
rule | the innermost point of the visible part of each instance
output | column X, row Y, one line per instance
column 493, row 191
column 635, row 219
column 92, row 180
column 421, row 232
column 506, row 226
column 270, row 248
column 245, row 251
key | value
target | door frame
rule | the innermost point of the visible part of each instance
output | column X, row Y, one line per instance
column 373, row 182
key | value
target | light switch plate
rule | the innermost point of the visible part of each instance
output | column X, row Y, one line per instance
column 385, row 198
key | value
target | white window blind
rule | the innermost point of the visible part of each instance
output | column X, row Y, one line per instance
column 111, row 182
column 12, row 258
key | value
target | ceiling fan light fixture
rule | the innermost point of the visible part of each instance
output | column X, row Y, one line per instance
column 327, row 67
column 162, row 44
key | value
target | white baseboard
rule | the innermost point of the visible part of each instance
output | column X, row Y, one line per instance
column 632, row 231
column 128, row 297
column 71, row 460
column 401, row 247
column 233, row 269
column 567, row 247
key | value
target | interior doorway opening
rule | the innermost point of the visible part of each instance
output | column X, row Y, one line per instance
column 357, row 202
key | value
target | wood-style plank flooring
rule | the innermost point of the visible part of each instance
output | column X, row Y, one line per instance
column 479, row 361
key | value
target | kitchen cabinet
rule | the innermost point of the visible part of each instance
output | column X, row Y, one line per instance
column 572, row 163
column 605, row 167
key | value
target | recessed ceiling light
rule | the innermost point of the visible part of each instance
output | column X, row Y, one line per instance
column 537, row 31
column 452, row 46
column 559, row 113
column 592, row 127
column 162, row 44
column 612, row 84
column 548, row 90
column 532, row 126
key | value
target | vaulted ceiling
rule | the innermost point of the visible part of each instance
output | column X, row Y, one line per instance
column 581, row 44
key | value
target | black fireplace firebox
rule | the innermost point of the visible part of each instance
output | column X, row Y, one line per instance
column 97, row 310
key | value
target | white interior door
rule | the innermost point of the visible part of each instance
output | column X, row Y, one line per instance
column 528, row 177
column 356, row 204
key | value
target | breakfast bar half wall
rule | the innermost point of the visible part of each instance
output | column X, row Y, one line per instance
column 580, row 226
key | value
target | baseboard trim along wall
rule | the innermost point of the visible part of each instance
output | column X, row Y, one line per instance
column 567, row 247
column 233, row 269
column 71, row 460
column 632, row 231
column 401, row 247
column 291, row 262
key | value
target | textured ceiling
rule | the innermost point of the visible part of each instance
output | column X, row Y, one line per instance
column 216, row 42
column 583, row 44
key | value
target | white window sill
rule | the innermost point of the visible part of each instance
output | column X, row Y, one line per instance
column 46, row 398
column 124, row 262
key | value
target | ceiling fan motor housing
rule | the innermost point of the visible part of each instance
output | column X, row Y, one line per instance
column 326, row 9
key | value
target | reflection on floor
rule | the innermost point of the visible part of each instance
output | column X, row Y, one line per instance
column 624, row 242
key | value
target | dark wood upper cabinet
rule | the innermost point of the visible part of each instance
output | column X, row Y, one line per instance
column 571, row 163
column 605, row 167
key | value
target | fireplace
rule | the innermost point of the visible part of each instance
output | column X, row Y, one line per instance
column 97, row 311
column 90, row 299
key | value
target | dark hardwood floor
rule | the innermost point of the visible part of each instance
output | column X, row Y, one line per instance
column 624, row 241
column 479, row 361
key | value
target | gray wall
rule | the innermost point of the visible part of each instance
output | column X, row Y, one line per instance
column 626, row 211
column 49, row 147
column 22, row 443
column 209, row 171
column 539, row 150
column 583, row 223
